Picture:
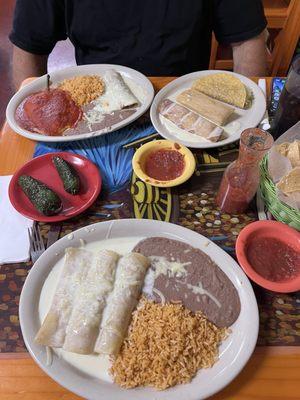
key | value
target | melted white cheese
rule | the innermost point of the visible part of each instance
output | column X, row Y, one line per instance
column 199, row 289
column 171, row 268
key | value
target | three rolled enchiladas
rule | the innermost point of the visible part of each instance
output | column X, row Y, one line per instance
column 87, row 284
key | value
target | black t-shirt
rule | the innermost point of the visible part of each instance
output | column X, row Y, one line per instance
column 156, row 37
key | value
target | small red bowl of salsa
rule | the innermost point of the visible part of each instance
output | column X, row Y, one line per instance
column 163, row 163
column 269, row 253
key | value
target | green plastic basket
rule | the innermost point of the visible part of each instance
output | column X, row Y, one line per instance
column 281, row 211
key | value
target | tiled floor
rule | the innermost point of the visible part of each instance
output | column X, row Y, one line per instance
column 61, row 57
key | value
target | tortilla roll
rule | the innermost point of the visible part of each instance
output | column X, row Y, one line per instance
column 189, row 121
column 53, row 330
column 117, row 96
column 129, row 282
column 205, row 106
column 83, row 326
column 122, row 93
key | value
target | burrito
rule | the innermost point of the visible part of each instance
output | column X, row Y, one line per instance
column 117, row 96
column 205, row 106
column 190, row 121
column 128, row 284
column 53, row 330
column 84, row 323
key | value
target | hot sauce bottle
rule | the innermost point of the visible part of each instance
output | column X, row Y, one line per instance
column 241, row 178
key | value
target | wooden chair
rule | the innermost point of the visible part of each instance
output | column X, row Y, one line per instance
column 282, row 15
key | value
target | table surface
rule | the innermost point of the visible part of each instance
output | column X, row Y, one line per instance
column 272, row 373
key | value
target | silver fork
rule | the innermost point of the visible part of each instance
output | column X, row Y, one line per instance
column 37, row 246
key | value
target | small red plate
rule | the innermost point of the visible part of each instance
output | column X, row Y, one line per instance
column 42, row 168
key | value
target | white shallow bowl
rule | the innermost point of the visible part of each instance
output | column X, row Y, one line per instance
column 234, row 352
column 243, row 119
column 129, row 74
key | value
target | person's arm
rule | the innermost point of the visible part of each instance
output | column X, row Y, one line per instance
column 250, row 56
column 36, row 28
column 26, row 65
column 242, row 25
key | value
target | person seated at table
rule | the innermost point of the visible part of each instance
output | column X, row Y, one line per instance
column 155, row 37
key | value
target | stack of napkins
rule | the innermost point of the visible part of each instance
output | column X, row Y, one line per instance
column 14, row 239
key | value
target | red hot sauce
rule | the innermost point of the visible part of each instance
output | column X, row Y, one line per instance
column 273, row 259
column 164, row 164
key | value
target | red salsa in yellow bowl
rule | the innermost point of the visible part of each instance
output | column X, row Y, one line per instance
column 163, row 163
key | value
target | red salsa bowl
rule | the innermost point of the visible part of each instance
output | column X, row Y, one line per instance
column 269, row 253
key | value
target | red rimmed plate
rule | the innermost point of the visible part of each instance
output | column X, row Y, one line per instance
column 42, row 168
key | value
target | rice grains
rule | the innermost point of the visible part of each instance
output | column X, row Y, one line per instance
column 83, row 89
column 166, row 345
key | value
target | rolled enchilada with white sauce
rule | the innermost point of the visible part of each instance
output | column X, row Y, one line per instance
column 124, row 298
column 53, row 330
column 83, row 327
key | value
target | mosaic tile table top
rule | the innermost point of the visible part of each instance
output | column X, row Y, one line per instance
column 190, row 205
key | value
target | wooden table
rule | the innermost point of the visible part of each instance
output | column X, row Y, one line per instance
column 272, row 372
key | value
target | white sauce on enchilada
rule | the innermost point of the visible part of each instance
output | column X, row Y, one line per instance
column 94, row 365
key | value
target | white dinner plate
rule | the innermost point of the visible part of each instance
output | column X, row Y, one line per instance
column 234, row 351
column 241, row 119
column 139, row 84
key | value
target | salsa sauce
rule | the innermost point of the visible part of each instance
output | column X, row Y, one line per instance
column 164, row 164
column 232, row 199
column 273, row 259
column 48, row 112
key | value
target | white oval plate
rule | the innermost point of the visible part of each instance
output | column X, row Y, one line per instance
column 129, row 74
column 234, row 352
column 245, row 118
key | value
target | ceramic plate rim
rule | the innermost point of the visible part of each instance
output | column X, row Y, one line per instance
column 57, row 217
column 163, row 131
column 82, row 385
column 39, row 83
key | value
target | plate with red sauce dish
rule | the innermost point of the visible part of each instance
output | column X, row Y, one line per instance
column 163, row 163
column 43, row 169
column 269, row 253
column 54, row 114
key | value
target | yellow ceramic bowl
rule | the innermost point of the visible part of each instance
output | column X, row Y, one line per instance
column 140, row 156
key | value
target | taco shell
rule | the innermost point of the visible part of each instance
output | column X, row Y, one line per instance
column 224, row 87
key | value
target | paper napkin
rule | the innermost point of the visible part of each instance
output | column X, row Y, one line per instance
column 14, row 239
